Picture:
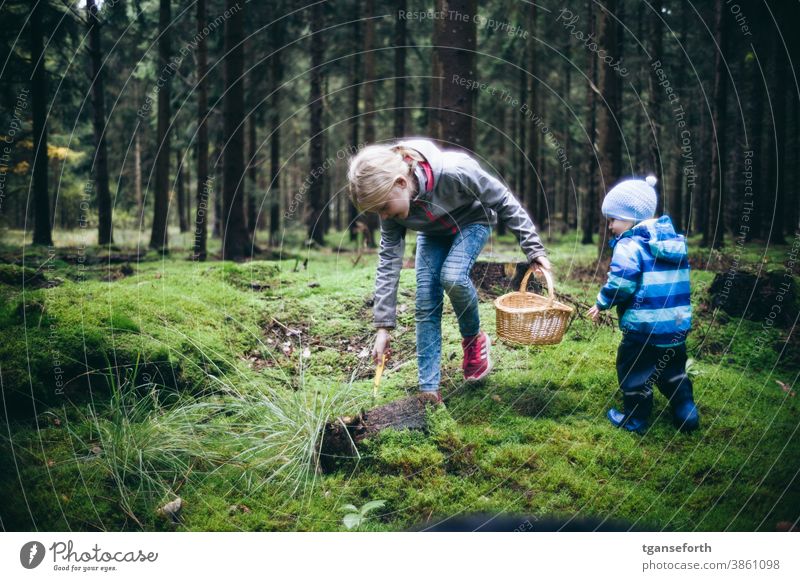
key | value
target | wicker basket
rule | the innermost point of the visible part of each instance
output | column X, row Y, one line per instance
column 530, row 319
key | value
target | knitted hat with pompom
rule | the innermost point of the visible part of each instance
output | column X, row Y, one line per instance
column 633, row 200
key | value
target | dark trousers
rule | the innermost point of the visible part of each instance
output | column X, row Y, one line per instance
column 640, row 366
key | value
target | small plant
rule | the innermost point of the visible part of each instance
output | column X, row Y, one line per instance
column 355, row 517
column 691, row 368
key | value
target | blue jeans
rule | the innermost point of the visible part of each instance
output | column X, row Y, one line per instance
column 443, row 264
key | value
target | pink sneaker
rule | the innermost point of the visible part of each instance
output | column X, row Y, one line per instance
column 477, row 363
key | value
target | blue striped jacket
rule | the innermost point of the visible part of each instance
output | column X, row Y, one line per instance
column 649, row 283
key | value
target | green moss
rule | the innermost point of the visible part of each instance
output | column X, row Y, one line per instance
column 531, row 439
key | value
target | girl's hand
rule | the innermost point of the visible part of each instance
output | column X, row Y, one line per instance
column 541, row 263
column 381, row 348
column 593, row 313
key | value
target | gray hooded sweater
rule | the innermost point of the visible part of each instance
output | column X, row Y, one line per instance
column 463, row 194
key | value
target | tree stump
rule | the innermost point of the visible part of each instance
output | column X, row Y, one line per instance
column 341, row 436
column 772, row 295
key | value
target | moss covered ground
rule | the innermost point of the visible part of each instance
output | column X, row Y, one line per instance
column 128, row 384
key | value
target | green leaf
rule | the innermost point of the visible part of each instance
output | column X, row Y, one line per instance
column 352, row 520
column 349, row 508
column 372, row 505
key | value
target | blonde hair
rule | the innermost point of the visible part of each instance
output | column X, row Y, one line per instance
column 374, row 170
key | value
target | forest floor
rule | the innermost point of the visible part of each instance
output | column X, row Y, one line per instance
column 128, row 383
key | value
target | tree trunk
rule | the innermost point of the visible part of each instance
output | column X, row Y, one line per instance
column 42, row 225
column 566, row 186
column 314, row 225
column 235, row 238
column 656, row 35
column 778, row 169
column 369, row 71
column 638, row 150
column 588, row 208
column 252, row 171
column 159, row 237
column 180, row 186
column 104, row 234
column 204, row 185
column 452, row 105
column 609, row 133
column 276, row 77
column 369, row 220
column 400, row 72
column 525, row 174
column 355, row 83
column 676, row 201
column 714, row 234
column 137, row 175
column 530, row 186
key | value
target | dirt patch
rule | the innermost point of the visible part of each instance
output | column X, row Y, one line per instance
column 493, row 279
column 118, row 272
column 590, row 273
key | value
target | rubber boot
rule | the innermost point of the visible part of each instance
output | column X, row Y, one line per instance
column 684, row 412
column 620, row 420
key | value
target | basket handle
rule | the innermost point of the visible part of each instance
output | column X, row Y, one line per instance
column 548, row 278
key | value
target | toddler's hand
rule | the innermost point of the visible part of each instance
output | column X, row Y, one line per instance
column 593, row 313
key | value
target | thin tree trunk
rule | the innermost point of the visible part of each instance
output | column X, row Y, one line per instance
column 523, row 171
column 370, row 220
column 638, row 119
column 137, row 175
column 677, row 206
column 454, row 54
column 355, row 83
column 400, row 72
column 252, row 170
column 588, row 220
column 180, row 186
column 656, row 35
column 369, row 71
column 104, row 223
column 778, row 175
column 204, row 185
column 609, row 133
column 714, row 234
column 314, row 225
column 276, row 78
column 560, row 165
column 42, row 225
column 235, row 238
column 530, row 183
column 159, row 238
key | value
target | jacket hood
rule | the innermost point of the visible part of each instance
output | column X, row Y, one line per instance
column 660, row 236
column 430, row 151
